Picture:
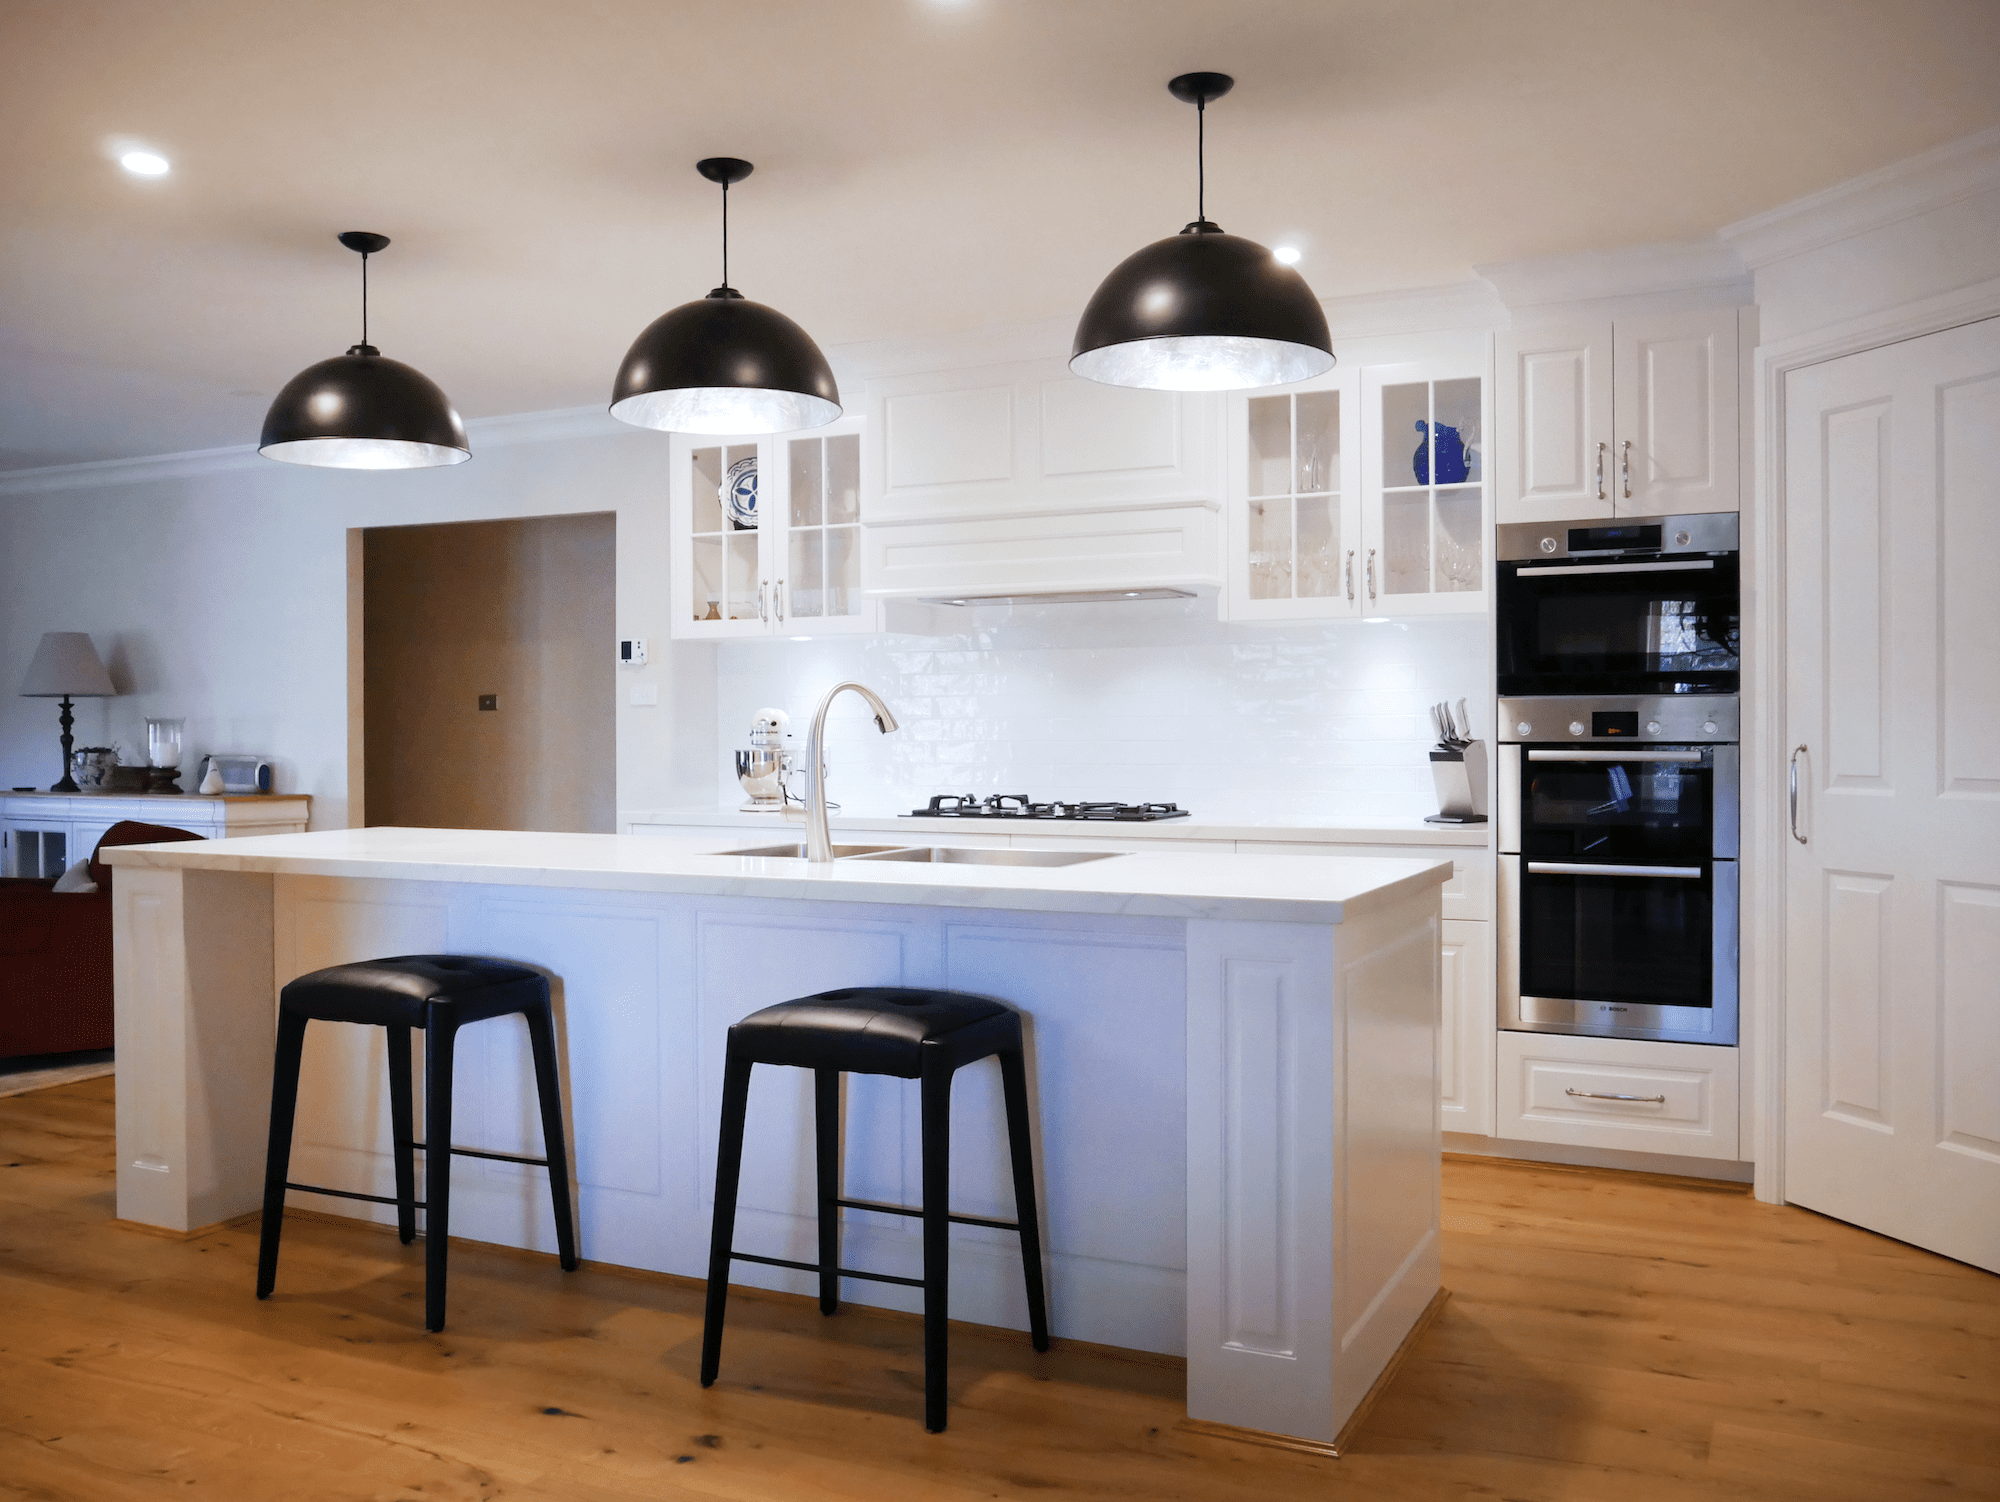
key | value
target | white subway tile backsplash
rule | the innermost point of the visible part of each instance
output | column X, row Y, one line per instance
column 1153, row 700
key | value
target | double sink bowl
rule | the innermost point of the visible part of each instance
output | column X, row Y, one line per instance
column 939, row 855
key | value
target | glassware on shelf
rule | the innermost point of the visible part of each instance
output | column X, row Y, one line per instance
column 163, row 754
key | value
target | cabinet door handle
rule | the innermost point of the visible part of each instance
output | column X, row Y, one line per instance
column 1796, row 754
column 778, row 600
column 763, row 587
column 1625, row 468
column 1600, row 471
column 1654, row 1100
column 1350, row 573
column 1371, row 573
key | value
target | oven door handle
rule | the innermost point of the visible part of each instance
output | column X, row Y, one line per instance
column 1613, row 568
column 1585, row 868
column 1680, row 756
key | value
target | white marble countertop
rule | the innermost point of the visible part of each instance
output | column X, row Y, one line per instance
column 1254, row 887
column 1383, row 831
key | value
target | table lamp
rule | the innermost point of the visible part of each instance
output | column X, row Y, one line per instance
column 66, row 667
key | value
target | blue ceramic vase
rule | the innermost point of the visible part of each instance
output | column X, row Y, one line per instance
column 1451, row 466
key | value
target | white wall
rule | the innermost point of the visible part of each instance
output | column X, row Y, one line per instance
column 1152, row 701
column 218, row 590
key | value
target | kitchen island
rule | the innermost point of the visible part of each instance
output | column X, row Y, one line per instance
column 1232, row 1059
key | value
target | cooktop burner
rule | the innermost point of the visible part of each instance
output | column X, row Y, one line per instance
column 1018, row 806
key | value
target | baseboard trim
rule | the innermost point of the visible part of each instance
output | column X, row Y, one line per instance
column 167, row 1233
column 1342, row 1442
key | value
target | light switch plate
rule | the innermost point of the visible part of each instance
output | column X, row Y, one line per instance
column 645, row 693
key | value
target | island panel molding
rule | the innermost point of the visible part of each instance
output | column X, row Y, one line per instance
column 1233, row 1071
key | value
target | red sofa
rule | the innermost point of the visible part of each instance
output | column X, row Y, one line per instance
column 55, row 955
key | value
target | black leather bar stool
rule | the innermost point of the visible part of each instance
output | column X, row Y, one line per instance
column 439, row 993
column 913, row 1034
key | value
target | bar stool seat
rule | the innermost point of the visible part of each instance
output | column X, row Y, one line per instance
column 439, row 993
column 909, row 1033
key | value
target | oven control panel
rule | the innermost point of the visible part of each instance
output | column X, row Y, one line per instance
column 1687, row 719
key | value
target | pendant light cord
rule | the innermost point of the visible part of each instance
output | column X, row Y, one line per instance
column 364, row 299
column 725, row 233
column 1200, row 161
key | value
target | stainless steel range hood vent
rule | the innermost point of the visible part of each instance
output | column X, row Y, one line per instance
column 1063, row 597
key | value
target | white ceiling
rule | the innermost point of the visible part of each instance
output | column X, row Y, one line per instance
column 923, row 166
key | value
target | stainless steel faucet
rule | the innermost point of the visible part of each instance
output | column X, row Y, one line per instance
column 819, row 842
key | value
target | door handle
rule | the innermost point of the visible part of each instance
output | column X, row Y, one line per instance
column 1587, row 868
column 1796, row 753
column 763, row 587
column 1655, row 1100
column 1350, row 573
column 1371, row 573
column 1625, row 469
column 1600, row 471
column 778, row 601
column 1677, row 756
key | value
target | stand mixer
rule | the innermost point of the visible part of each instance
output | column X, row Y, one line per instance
column 762, row 768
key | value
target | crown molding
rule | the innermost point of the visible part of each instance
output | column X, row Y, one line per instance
column 1413, row 310
column 1627, row 271
column 1916, row 185
column 509, row 431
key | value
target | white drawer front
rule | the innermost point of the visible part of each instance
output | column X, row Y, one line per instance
column 1621, row 1093
column 1468, row 895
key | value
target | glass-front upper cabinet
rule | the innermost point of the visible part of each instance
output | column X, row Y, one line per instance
column 767, row 535
column 1294, row 518
column 1424, row 512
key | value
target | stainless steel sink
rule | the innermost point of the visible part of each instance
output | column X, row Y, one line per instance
column 798, row 852
column 955, row 855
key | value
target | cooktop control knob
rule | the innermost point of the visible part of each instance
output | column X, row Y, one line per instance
column 1652, row 727
column 1682, row 539
column 1523, row 728
column 1548, row 544
column 1576, row 727
column 1708, row 727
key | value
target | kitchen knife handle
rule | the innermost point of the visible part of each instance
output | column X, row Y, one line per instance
column 1796, row 753
column 1600, row 471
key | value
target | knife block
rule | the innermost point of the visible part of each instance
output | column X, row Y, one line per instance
column 1461, row 785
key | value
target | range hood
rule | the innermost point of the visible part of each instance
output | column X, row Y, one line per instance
column 1062, row 597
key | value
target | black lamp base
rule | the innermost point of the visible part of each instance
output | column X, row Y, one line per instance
column 68, row 783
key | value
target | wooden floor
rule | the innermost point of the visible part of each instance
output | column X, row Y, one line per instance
column 1609, row 1337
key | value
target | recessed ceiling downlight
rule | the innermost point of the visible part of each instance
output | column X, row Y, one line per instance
column 145, row 164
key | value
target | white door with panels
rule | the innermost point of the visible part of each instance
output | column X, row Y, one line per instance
column 1892, row 1006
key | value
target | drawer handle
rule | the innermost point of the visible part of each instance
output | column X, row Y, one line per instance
column 1653, row 1100
column 1587, row 868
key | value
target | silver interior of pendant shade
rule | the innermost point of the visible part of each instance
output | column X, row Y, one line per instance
column 365, row 453
column 726, row 410
column 1202, row 362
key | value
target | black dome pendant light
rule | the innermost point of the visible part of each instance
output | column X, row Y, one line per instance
column 1202, row 310
column 724, row 364
column 360, row 411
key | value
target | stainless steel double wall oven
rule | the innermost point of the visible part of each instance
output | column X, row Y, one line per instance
column 1618, row 656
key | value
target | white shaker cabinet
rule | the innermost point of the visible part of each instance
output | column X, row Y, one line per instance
column 1360, row 495
column 1633, row 417
column 43, row 834
column 785, row 559
column 1021, row 479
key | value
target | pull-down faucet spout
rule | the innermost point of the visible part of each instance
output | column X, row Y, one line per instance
column 819, row 841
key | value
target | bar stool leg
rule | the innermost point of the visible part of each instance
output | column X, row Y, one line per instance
column 278, row 1153
column 721, row 1241
column 1014, row 1088
column 542, row 1039
column 440, row 1039
column 826, row 1133
column 937, row 1236
column 402, row 1119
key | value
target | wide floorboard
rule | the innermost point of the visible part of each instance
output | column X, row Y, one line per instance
column 1608, row 1336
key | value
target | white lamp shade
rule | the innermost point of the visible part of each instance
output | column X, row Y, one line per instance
column 66, row 665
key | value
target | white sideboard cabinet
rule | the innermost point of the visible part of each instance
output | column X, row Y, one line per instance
column 1636, row 416
column 43, row 834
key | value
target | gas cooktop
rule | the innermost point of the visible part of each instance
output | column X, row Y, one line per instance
column 1017, row 806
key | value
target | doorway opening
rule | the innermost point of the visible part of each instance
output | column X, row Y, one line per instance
column 488, row 674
